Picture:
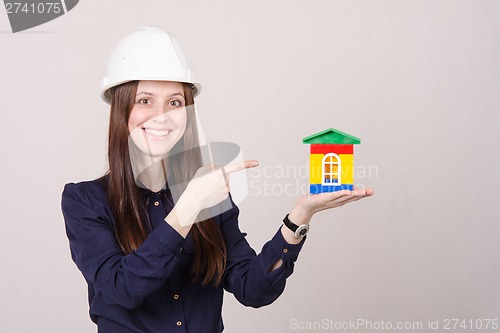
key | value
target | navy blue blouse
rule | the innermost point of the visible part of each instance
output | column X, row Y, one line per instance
column 150, row 289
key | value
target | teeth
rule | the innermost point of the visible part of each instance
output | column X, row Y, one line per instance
column 157, row 132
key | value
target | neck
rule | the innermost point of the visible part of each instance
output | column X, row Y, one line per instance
column 154, row 176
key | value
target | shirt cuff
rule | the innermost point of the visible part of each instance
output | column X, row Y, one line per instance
column 168, row 239
column 288, row 251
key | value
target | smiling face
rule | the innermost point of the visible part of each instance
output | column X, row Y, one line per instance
column 158, row 118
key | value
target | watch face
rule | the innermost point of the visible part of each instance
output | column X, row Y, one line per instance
column 302, row 231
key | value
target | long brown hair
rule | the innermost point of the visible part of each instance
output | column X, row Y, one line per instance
column 123, row 194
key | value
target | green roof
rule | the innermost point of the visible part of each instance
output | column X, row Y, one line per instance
column 332, row 136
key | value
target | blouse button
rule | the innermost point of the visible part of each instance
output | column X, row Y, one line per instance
column 176, row 296
column 285, row 250
column 179, row 323
column 157, row 203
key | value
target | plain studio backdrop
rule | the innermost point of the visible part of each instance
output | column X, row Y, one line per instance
column 417, row 81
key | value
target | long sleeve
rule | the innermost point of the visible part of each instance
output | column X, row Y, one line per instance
column 151, row 289
column 119, row 279
column 248, row 276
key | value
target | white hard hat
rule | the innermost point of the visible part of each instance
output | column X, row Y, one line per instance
column 150, row 53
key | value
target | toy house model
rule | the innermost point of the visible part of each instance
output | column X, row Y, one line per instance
column 331, row 161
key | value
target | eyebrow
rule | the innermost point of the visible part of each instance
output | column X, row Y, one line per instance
column 151, row 94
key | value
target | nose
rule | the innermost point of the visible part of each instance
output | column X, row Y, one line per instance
column 160, row 114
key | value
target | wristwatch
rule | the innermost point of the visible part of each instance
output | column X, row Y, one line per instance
column 299, row 230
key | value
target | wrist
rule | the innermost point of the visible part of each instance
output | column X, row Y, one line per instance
column 176, row 222
column 289, row 235
column 181, row 217
column 299, row 231
column 300, row 216
column 186, row 213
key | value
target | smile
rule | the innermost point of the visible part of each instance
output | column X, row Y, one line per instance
column 156, row 134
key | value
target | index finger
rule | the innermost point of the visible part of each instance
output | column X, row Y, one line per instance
column 238, row 166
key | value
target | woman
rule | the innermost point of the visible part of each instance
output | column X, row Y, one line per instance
column 155, row 256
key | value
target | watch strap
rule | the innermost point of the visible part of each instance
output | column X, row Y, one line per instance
column 299, row 231
column 289, row 224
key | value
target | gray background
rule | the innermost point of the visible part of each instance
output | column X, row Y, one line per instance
column 418, row 81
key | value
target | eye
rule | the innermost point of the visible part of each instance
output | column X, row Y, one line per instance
column 175, row 103
column 144, row 101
